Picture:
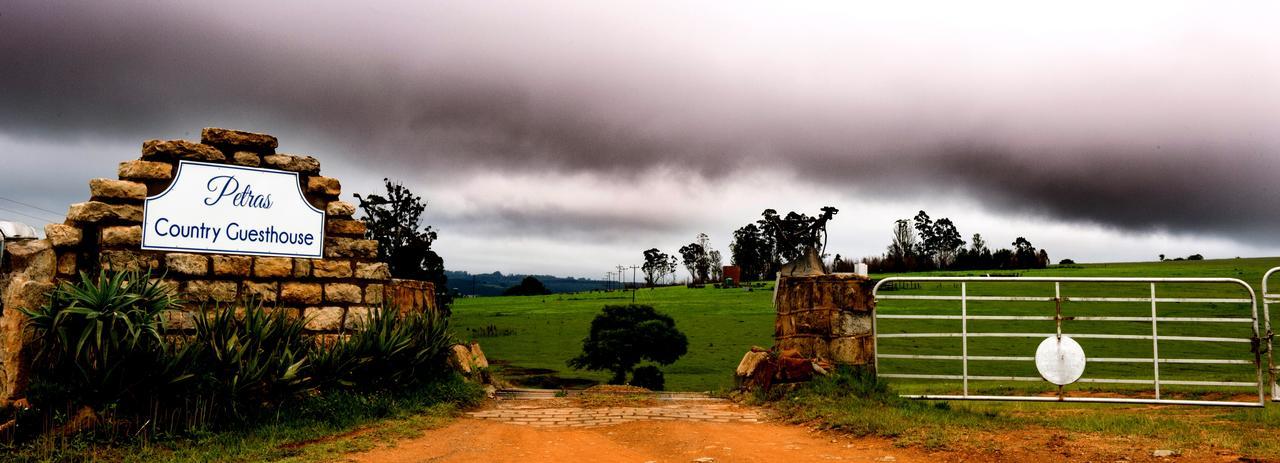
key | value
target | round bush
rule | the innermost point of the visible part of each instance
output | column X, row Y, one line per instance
column 648, row 377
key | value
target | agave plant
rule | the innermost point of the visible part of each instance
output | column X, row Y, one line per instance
column 102, row 337
column 252, row 357
column 394, row 349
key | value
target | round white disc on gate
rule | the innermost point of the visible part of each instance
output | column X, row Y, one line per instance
column 1060, row 360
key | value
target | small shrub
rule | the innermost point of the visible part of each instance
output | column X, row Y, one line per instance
column 1066, row 262
column 394, row 349
column 254, row 358
column 624, row 335
column 649, row 377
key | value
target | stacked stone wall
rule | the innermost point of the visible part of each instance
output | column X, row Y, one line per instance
column 826, row 317
column 332, row 293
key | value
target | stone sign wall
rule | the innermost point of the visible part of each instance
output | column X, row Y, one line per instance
column 826, row 317
column 106, row 231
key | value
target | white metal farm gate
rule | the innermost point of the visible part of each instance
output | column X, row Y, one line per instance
column 1269, row 298
column 1063, row 354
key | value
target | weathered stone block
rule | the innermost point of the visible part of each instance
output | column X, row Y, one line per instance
column 234, row 266
column 846, row 323
column 853, row 350
column 342, row 293
column 180, row 149
column 301, row 268
column 343, row 227
column 373, row 294
column 323, row 318
column 324, row 186
column 301, row 164
column 145, row 170
column 97, row 211
column 67, row 264
column 348, row 247
column 122, row 260
column 807, row 346
column 331, row 268
column 340, row 209
column 817, row 321
column 209, row 291
column 264, row 293
column 257, row 142
column 373, row 271
column 187, row 264
column 358, row 317
column 34, row 258
column 300, row 293
column 245, row 158
column 61, row 235
column 125, row 235
column 105, row 188
column 177, row 320
column 272, row 267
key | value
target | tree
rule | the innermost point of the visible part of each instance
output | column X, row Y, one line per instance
column 793, row 234
column 752, row 251
column 395, row 222
column 624, row 335
column 657, row 264
column 924, row 228
column 1162, row 258
column 947, row 242
column 903, row 248
column 529, row 286
column 717, row 265
column 694, row 256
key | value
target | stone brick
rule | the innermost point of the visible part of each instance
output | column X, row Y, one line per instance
column 177, row 320
column 373, row 294
column 245, row 158
column 358, row 317
column 105, row 188
column 373, row 271
column 180, row 149
column 272, row 267
column 200, row 291
column 145, row 170
column 35, row 258
column 61, row 236
column 67, row 264
column 342, row 293
column 340, row 209
column 264, row 293
column 233, row 266
column 301, row 267
column 21, row 293
column 187, row 264
column 343, row 227
column 126, row 235
column 323, row 318
column 848, row 323
column 96, row 211
column 300, row 293
column 300, row 164
column 348, row 247
column 851, row 350
column 331, row 269
column 325, row 186
column 121, row 260
column 256, row 142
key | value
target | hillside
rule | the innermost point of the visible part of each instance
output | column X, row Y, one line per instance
column 493, row 284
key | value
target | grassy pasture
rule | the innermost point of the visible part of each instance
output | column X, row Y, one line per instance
column 537, row 334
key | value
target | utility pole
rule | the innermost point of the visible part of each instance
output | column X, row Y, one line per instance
column 608, row 281
column 622, row 282
column 634, row 287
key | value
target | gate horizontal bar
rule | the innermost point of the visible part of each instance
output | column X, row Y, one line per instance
column 1094, row 359
column 1049, row 319
column 1086, row 400
column 1081, row 380
column 1139, row 337
column 1065, row 299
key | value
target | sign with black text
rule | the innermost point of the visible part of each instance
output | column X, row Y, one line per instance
column 222, row 209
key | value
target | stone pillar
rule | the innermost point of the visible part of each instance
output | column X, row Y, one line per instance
column 28, row 278
column 826, row 317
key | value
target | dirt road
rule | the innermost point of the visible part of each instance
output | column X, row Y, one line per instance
column 536, row 431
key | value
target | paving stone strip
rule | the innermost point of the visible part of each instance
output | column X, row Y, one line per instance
column 578, row 417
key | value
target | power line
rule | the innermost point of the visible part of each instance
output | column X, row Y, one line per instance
column 42, row 220
column 33, row 206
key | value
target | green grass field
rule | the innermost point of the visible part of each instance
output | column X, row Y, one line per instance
column 532, row 337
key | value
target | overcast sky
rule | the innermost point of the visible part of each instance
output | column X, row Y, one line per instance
column 566, row 138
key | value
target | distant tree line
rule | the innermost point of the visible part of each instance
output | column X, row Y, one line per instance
column 922, row 244
column 760, row 248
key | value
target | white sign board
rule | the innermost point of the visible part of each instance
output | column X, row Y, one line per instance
column 222, row 209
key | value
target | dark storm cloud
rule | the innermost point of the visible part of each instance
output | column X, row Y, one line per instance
column 1177, row 134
